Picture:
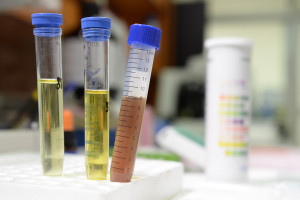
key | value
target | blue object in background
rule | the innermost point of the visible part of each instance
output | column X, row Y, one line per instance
column 160, row 123
column 112, row 137
column 80, row 137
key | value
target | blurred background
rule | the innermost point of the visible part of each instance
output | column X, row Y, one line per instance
column 177, row 89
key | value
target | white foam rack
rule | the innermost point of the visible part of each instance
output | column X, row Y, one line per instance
column 21, row 178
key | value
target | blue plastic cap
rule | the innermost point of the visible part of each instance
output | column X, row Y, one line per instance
column 95, row 22
column 46, row 20
column 96, row 29
column 144, row 34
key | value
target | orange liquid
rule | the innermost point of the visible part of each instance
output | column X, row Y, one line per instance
column 127, row 138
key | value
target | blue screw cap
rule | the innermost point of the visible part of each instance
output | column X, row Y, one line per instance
column 46, row 20
column 144, row 34
column 95, row 22
column 96, row 29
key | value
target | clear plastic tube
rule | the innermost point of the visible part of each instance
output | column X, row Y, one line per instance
column 96, row 101
column 131, row 113
column 50, row 92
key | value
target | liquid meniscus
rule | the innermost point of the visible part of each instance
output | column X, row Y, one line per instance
column 96, row 133
column 50, row 98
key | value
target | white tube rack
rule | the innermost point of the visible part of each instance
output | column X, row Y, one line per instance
column 21, row 178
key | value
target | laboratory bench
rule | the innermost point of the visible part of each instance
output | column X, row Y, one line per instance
column 21, row 176
column 274, row 174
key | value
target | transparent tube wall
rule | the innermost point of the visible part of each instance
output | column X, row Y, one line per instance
column 139, row 70
column 132, row 110
column 50, row 99
column 96, row 106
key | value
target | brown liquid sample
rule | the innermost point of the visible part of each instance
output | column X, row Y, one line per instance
column 127, row 138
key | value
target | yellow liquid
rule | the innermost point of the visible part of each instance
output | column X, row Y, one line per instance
column 96, row 133
column 51, row 126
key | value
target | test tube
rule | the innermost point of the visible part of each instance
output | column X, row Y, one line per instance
column 144, row 40
column 96, row 33
column 47, row 34
column 228, row 108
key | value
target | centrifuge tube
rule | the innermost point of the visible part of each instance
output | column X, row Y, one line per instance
column 144, row 40
column 47, row 34
column 96, row 33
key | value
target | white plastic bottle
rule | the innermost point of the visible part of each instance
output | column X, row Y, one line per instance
column 228, row 108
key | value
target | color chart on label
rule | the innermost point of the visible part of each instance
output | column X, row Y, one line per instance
column 234, row 121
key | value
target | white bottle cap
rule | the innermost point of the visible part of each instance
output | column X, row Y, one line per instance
column 243, row 42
